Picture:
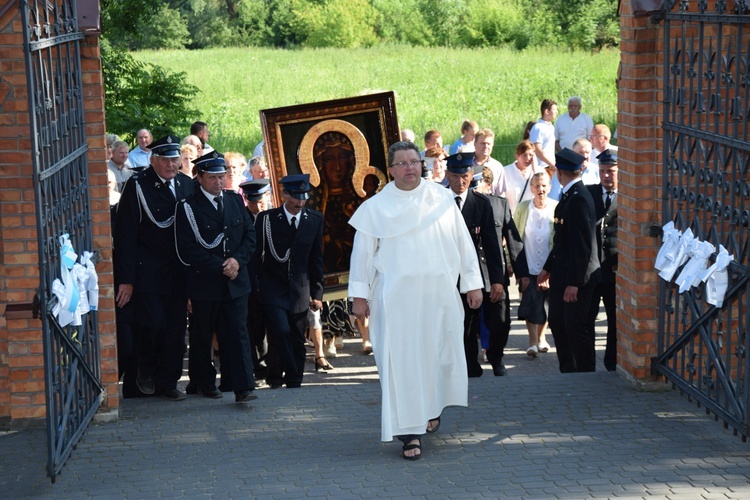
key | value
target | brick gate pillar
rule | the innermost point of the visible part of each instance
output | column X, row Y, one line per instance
column 22, row 391
column 640, row 178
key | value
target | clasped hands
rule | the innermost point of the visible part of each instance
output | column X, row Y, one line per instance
column 230, row 268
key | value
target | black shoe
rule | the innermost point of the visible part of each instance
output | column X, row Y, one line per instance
column 145, row 383
column 475, row 373
column 212, row 393
column 191, row 389
column 244, row 396
column 173, row 394
column 499, row 370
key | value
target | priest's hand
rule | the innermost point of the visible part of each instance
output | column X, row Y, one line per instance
column 524, row 284
column 474, row 298
column 360, row 308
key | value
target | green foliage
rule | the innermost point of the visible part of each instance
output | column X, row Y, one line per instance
column 253, row 28
column 167, row 30
column 340, row 23
column 492, row 23
column 143, row 95
column 121, row 19
column 436, row 87
column 209, row 24
column 402, row 22
column 287, row 26
column 574, row 24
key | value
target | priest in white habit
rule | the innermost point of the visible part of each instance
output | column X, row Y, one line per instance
column 410, row 248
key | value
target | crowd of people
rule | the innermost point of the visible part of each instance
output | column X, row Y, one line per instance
column 199, row 247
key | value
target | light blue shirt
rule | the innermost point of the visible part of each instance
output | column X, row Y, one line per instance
column 139, row 158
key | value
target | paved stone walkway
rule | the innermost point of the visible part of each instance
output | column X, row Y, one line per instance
column 532, row 434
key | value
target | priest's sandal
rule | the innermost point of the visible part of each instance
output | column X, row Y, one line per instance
column 433, row 425
column 409, row 447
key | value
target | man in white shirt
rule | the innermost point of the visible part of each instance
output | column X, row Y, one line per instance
column 140, row 155
column 572, row 125
column 542, row 134
column 484, row 141
column 600, row 137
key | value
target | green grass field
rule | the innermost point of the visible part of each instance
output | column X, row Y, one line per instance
column 435, row 87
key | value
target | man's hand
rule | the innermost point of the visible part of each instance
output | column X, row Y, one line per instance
column 360, row 309
column 124, row 294
column 571, row 294
column 230, row 268
column 474, row 298
column 542, row 281
column 315, row 305
column 496, row 293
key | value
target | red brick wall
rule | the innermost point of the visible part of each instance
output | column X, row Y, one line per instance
column 639, row 206
column 21, row 359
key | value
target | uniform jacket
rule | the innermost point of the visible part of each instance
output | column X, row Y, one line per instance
column 206, row 280
column 606, row 233
column 480, row 220
column 574, row 259
column 145, row 253
column 291, row 284
column 506, row 228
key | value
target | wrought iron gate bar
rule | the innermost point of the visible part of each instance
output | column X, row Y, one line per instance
column 709, row 136
column 708, row 315
column 55, row 40
column 63, row 163
column 710, row 18
column 71, row 354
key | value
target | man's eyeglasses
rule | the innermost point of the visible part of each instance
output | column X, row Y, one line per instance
column 412, row 164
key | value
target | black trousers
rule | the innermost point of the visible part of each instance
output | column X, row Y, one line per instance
column 497, row 321
column 160, row 337
column 471, row 343
column 606, row 292
column 228, row 318
column 256, row 326
column 574, row 338
column 286, row 346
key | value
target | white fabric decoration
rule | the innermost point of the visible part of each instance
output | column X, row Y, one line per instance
column 699, row 253
column 677, row 256
column 670, row 242
column 92, row 280
column 717, row 278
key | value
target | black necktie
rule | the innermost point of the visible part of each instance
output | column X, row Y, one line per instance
column 608, row 201
column 458, row 202
column 294, row 223
column 219, row 205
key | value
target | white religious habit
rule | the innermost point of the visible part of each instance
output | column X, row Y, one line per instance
column 409, row 250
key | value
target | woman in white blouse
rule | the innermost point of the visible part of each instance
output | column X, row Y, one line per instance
column 535, row 222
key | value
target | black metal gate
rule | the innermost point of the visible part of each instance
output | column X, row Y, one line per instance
column 61, row 184
column 703, row 350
